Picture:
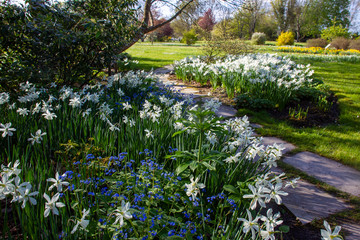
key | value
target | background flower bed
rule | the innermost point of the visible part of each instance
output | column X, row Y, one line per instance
column 319, row 50
column 263, row 81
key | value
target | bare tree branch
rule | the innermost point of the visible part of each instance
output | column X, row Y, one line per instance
column 152, row 28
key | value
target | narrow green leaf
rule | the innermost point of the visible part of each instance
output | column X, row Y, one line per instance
column 231, row 188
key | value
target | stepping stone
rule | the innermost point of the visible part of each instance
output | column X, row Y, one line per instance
column 353, row 230
column 271, row 140
column 329, row 171
column 226, row 111
column 255, row 125
column 307, row 202
column 163, row 70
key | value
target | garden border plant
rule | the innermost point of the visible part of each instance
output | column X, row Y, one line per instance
column 102, row 197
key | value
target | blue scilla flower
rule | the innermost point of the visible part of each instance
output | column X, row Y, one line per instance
column 143, row 217
column 90, row 156
column 91, row 194
column 69, row 174
column 71, row 187
column 171, row 233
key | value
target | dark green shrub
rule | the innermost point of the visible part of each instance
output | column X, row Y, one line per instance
column 317, row 42
column 340, row 43
column 67, row 43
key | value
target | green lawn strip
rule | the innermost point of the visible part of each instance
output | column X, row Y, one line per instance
column 159, row 55
column 338, row 141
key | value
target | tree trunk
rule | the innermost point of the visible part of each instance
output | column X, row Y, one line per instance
column 144, row 28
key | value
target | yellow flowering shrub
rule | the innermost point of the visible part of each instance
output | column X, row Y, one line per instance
column 285, row 38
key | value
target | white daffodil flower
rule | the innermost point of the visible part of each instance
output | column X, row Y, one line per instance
column 6, row 129
column 9, row 170
column 121, row 213
column 19, row 188
column 250, row 225
column 48, row 115
column 120, row 92
column 292, row 182
column 127, row 106
column 27, row 196
column 82, row 222
column 257, row 196
column 149, row 134
column 275, row 193
column 193, row 188
column 23, row 111
column 37, row 138
column 4, row 98
column 52, row 204
column 267, row 234
column 58, row 182
column 327, row 234
column 75, row 102
column 270, row 220
column 6, row 186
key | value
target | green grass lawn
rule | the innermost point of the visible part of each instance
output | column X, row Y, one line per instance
column 152, row 56
column 339, row 141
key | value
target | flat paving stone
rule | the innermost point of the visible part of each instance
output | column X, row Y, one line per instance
column 255, row 125
column 226, row 111
column 307, row 202
column 329, row 171
column 164, row 70
column 352, row 229
column 271, row 140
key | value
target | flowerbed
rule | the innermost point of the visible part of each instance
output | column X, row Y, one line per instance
column 263, row 76
column 319, row 50
column 126, row 159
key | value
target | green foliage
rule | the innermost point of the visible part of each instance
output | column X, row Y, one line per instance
column 334, row 31
column 189, row 37
column 323, row 104
column 318, row 42
column 223, row 30
column 258, row 38
column 298, row 113
column 68, row 42
column 246, row 101
column 285, row 38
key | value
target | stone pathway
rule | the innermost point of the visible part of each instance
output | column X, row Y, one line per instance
column 329, row 171
column 306, row 201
